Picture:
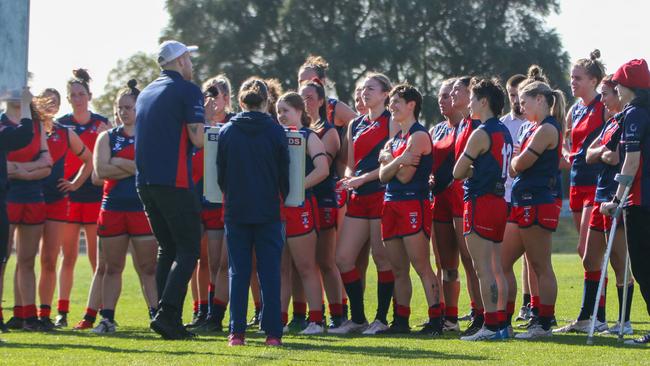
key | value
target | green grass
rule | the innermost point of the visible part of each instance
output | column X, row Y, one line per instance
column 136, row 344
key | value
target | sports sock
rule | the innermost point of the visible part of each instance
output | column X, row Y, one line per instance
column 18, row 312
column 628, row 303
column 218, row 310
column 589, row 294
column 546, row 313
column 451, row 314
column 44, row 311
column 299, row 310
column 602, row 303
column 385, row 287
column 63, row 306
column 108, row 314
column 91, row 315
column 354, row 289
column 491, row 321
column 525, row 300
column 316, row 316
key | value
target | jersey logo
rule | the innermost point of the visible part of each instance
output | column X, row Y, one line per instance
column 413, row 219
column 305, row 219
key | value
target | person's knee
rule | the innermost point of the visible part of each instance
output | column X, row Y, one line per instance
column 113, row 269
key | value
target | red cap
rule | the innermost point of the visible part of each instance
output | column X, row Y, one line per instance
column 633, row 74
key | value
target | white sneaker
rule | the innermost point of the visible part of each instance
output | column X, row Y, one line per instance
column 285, row 330
column 104, row 326
column 483, row 334
column 449, row 326
column 313, row 328
column 627, row 329
column 375, row 327
column 349, row 327
column 641, row 341
column 536, row 331
column 581, row 326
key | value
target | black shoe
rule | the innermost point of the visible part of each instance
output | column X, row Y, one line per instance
column 468, row 316
column 297, row 324
column 432, row 328
column 197, row 321
column 46, row 324
column 335, row 322
column 255, row 320
column 61, row 321
column 3, row 327
column 533, row 320
column 166, row 328
column 15, row 323
column 554, row 321
column 211, row 325
column 474, row 326
column 400, row 325
column 32, row 325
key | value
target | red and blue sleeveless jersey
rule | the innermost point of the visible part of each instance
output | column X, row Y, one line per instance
column 541, row 182
column 325, row 191
column 418, row 187
column 368, row 139
column 610, row 137
column 636, row 138
column 120, row 194
column 463, row 132
column 444, row 140
column 88, row 134
column 163, row 147
column 198, row 174
column 58, row 141
column 587, row 123
column 491, row 167
column 25, row 191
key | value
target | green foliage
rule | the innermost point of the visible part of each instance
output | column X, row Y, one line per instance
column 140, row 66
column 420, row 41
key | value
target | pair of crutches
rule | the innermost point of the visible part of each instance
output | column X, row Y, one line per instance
column 626, row 181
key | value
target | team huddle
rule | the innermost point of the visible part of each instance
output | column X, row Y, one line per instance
column 482, row 187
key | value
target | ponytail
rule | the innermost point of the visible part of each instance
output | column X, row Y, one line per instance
column 558, row 107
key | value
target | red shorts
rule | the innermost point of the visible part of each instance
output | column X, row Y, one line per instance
column 57, row 210
column 367, row 206
column 212, row 218
column 545, row 215
column 405, row 218
column 443, row 204
column 83, row 212
column 511, row 214
column 486, row 217
column 26, row 213
column 600, row 222
column 457, row 202
column 301, row 220
column 341, row 195
column 115, row 223
column 327, row 217
column 581, row 197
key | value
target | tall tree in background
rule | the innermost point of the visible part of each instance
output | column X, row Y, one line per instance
column 420, row 41
column 141, row 66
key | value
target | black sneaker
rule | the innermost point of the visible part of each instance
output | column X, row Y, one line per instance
column 167, row 328
column 211, row 325
column 46, row 324
column 641, row 341
column 61, row 321
column 32, row 325
column 15, row 323
column 474, row 326
column 3, row 327
column 335, row 322
column 297, row 324
column 197, row 321
column 554, row 322
column 400, row 325
column 467, row 316
column 255, row 320
column 432, row 328
column 533, row 320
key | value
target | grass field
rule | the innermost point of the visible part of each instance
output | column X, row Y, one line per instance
column 136, row 344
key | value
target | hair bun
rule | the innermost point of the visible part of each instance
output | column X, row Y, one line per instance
column 81, row 74
column 534, row 71
column 594, row 55
column 132, row 83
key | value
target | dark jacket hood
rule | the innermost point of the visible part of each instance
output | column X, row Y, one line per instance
column 252, row 123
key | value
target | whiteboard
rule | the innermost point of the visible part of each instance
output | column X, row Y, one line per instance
column 14, row 46
column 297, row 151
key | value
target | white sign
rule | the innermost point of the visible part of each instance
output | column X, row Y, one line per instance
column 297, row 151
column 14, row 46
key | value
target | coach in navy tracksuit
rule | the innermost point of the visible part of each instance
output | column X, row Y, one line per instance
column 253, row 173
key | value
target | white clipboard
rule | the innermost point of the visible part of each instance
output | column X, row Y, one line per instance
column 297, row 151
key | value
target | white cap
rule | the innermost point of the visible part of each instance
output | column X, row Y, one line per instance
column 170, row 50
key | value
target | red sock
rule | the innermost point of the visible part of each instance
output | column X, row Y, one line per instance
column 258, row 306
column 350, row 276
column 546, row 310
column 534, row 302
column 491, row 318
column 300, row 308
column 285, row 318
column 345, row 301
column 29, row 311
column 216, row 301
column 451, row 311
column 91, row 312
column 435, row 311
column 403, row 311
column 18, row 312
column 44, row 311
column 385, row 276
column 316, row 316
column 195, row 308
column 211, row 287
column 63, row 306
column 1, row 316
column 501, row 317
column 336, row 309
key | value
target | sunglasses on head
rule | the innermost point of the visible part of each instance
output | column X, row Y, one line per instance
column 212, row 92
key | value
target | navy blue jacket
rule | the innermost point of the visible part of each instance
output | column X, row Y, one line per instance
column 13, row 138
column 253, row 168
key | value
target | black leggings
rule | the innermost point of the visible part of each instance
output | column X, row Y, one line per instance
column 638, row 243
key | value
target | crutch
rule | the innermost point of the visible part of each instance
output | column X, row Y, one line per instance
column 621, row 321
column 626, row 181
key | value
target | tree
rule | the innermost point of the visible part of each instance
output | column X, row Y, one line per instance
column 420, row 41
column 140, row 66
